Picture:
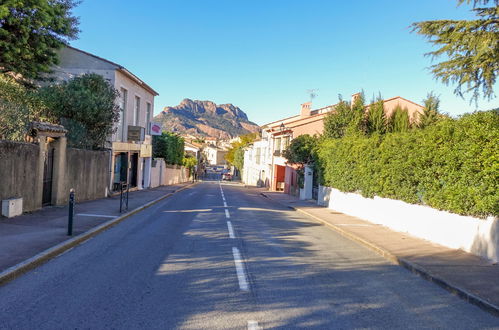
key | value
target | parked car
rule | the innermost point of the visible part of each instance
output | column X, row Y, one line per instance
column 227, row 177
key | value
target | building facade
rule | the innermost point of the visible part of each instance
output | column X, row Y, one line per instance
column 131, row 144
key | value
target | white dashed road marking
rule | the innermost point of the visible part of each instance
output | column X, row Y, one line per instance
column 231, row 230
column 241, row 276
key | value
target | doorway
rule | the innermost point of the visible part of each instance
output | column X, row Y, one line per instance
column 48, row 172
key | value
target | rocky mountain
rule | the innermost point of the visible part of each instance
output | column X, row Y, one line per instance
column 206, row 119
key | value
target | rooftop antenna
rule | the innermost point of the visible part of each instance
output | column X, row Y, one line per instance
column 312, row 93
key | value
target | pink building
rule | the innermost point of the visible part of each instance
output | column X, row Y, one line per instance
column 283, row 177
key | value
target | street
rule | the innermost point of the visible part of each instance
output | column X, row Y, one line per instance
column 221, row 256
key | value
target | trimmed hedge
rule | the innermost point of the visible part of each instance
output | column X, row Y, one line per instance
column 452, row 165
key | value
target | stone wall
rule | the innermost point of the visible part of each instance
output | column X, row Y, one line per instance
column 18, row 173
column 88, row 172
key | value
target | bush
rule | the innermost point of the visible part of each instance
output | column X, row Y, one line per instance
column 168, row 146
column 19, row 106
column 86, row 107
column 451, row 165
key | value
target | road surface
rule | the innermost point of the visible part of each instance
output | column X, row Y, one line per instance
column 221, row 256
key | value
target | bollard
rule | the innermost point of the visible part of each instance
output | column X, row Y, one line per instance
column 71, row 211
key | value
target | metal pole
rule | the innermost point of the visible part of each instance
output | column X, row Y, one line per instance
column 71, row 211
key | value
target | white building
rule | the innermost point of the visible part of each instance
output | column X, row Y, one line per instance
column 131, row 144
column 214, row 155
column 257, row 170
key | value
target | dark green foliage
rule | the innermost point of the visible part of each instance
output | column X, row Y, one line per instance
column 19, row 106
column 345, row 118
column 86, row 106
column 470, row 47
column 168, row 146
column 31, row 32
column 452, row 165
column 302, row 150
column 376, row 119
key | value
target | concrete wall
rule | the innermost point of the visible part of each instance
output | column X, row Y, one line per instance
column 18, row 173
column 88, row 173
column 84, row 170
column 474, row 235
column 162, row 174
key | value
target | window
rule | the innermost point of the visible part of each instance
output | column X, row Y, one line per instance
column 258, row 156
column 136, row 115
column 285, row 143
column 148, row 116
column 122, row 122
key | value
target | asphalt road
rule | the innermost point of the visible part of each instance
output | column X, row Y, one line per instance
column 224, row 257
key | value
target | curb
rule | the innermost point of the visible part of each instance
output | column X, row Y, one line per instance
column 39, row 259
column 413, row 268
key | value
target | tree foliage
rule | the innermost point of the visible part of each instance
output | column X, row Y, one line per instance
column 30, row 34
column 376, row 121
column 345, row 118
column 85, row 106
column 399, row 120
column 168, row 146
column 19, row 106
column 235, row 154
column 302, row 150
column 471, row 49
column 431, row 112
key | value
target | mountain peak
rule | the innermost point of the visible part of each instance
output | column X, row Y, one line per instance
column 205, row 118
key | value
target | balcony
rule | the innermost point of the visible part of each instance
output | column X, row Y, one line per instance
column 277, row 153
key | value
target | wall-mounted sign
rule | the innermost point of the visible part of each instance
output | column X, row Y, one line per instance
column 136, row 133
column 155, row 128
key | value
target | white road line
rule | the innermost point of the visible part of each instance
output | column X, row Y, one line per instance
column 241, row 276
column 96, row 215
column 227, row 214
column 253, row 325
column 231, row 230
column 225, row 204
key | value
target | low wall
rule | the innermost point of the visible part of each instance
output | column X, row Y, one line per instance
column 87, row 172
column 474, row 235
column 162, row 174
column 19, row 174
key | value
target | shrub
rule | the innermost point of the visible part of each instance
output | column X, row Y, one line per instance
column 451, row 165
column 168, row 146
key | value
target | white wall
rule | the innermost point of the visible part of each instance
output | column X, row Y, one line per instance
column 474, row 235
column 163, row 174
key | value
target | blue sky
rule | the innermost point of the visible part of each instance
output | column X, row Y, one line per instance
column 263, row 55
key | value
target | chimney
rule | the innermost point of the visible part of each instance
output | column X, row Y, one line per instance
column 305, row 109
column 354, row 98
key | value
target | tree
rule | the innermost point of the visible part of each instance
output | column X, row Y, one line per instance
column 170, row 147
column 345, row 119
column 431, row 112
column 235, row 154
column 376, row 119
column 19, row 106
column 470, row 46
column 86, row 107
column 301, row 150
column 31, row 32
column 399, row 120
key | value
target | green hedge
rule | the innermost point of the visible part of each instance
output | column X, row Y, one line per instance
column 452, row 165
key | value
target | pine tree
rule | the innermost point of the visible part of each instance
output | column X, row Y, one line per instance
column 430, row 112
column 470, row 46
column 376, row 119
column 31, row 32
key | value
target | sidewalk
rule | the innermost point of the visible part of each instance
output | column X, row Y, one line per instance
column 27, row 235
column 470, row 277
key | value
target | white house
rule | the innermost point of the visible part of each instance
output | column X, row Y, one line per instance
column 131, row 143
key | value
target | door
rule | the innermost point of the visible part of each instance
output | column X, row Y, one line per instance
column 134, row 162
column 48, row 171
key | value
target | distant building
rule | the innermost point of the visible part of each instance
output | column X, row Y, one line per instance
column 214, row 155
column 131, row 143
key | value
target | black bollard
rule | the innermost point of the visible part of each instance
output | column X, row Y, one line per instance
column 71, row 211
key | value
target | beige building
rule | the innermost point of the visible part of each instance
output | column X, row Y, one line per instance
column 131, row 143
column 214, row 155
